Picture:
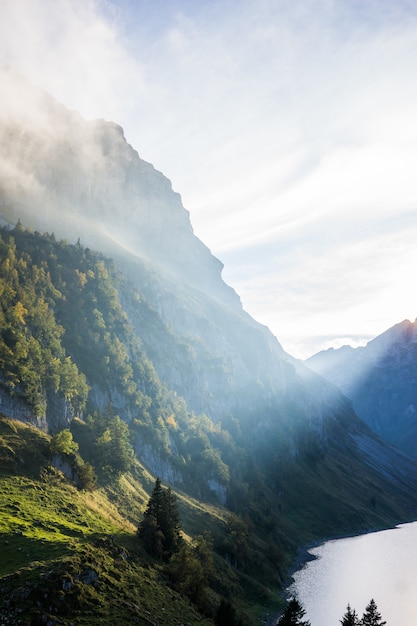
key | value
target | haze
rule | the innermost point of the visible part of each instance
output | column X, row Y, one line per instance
column 288, row 128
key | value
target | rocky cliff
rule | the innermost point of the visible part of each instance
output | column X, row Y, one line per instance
column 79, row 179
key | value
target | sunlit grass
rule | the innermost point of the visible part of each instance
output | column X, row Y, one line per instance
column 52, row 536
column 39, row 521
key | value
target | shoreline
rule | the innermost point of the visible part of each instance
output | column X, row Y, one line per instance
column 304, row 556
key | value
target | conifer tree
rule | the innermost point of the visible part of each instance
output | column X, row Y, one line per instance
column 293, row 615
column 160, row 528
column 155, row 503
column 350, row 618
column 170, row 521
column 372, row 617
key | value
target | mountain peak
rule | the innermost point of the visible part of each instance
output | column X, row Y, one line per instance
column 380, row 380
column 83, row 180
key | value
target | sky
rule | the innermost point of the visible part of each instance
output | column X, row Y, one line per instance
column 289, row 127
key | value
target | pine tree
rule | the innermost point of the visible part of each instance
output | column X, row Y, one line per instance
column 160, row 528
column 372, row 617
column 293, row 614
column 226, row 615
column 350, row 618
column 156, row 502
column 170, row 521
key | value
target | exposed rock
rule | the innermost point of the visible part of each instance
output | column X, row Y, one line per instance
column 15, row 408
column 82, row 179
column 158, row 466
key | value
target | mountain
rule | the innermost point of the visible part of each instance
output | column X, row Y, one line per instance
column 381, row 381
column 117, row 327
column 82, row 179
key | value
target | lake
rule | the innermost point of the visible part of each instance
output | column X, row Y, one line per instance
column 381, row 565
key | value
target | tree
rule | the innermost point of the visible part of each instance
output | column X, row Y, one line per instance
column 63, row 443
column 170, row 521
column 86, row 475
column 350, row 618
column 371, row 617
column 152, row 536
column 226, row 615
column 155, row 503
column 160, row 528
column 113, row 452
column 293, row 614
column 189, row 576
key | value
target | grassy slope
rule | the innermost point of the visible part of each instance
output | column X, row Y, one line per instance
column 74, row 556
column 69, row 554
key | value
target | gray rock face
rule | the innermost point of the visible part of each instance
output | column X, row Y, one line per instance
column 57, row 416
column 78, row 179
column 15, row 408
column 381, row 381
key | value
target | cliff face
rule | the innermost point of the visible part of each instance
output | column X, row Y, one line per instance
column 216, row 357
column 83, row 180
column 381, row 381
column 78, row 179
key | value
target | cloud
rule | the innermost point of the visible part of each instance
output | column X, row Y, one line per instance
column 73, row 50
column 336, row 280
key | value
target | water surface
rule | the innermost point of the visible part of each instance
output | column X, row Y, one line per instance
column 380, row 565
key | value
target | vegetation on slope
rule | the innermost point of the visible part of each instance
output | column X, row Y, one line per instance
column 263, row 482
column 70, row 556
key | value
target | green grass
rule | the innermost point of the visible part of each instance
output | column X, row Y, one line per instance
column 54, row 537
column 73, row 556
column 41, row 520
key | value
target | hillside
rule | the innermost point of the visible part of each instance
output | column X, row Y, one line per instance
column 71, row 557
column 117, row 330
column 279, row 474
column 381, row 381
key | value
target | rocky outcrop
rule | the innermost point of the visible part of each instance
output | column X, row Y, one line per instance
column 15, row 408
column 157, row 465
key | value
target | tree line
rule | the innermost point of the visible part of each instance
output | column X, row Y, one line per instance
column 294, row 613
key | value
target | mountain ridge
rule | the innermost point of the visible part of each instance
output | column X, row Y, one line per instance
column 380, row 379
column 108, row 196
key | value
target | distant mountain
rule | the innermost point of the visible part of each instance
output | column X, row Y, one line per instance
column 381, row 381
column 153, row 336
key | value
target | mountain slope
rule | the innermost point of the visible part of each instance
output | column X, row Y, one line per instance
column 151, row 351
column 70, row 557
column 296, row 464
column 61, row 174
column 381, row 381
